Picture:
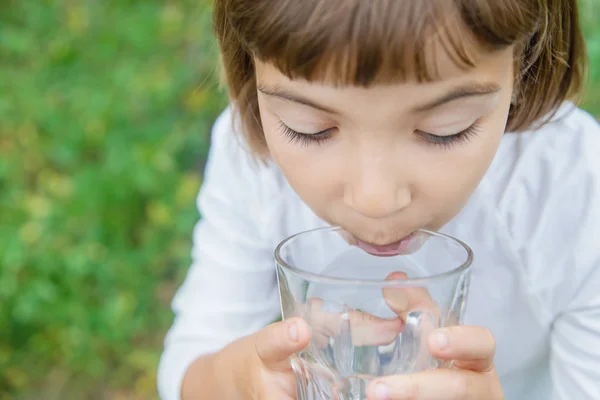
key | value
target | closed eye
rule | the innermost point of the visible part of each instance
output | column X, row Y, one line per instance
column 448, row 141
column 445, row 141
column 302, row 138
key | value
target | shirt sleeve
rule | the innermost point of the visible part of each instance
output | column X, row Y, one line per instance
column 575, row 337
column 552, row 210
column 230, row 290
column 575, row 345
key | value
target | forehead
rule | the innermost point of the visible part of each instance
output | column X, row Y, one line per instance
column 488, row 66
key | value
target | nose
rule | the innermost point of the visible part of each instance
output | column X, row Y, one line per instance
column 377, row 192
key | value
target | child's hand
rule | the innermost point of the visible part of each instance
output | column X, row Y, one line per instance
column 473, row 376
column 262, row 361
column 265, row 371
column 472, row 348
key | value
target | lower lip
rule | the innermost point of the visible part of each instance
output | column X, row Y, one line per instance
column 392, row 249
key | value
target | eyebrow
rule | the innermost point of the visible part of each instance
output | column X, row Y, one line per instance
column 459, row 92
column 287, row 96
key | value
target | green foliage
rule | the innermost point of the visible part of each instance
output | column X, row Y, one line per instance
column 104, row 114
column 105, row 108
column 590, row 10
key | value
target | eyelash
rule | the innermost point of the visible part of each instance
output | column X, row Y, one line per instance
column 448, row 141
column 304, row 139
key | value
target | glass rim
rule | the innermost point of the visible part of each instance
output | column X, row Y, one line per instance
column 410, row 282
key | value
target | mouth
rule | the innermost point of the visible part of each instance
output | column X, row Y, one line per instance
column 387, row 250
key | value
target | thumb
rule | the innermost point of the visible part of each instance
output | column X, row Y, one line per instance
column 278, row 341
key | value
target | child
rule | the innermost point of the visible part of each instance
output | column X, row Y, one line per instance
column 383, row 117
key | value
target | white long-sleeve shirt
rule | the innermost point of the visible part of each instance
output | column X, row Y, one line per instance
column 533, row 223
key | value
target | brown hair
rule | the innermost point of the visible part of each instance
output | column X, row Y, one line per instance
column 362, row 42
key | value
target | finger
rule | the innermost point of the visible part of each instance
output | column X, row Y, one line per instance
column 404, row 300
column 278, row 341
column 369, row 330
column 435, row 385
column 365, row 328
column 472, row 347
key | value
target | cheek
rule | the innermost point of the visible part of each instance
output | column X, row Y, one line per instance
column 454, row 174
column 310, row 170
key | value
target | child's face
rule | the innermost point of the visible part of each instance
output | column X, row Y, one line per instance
column 384, row 161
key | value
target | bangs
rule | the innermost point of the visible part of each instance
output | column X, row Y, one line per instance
column 360, row 42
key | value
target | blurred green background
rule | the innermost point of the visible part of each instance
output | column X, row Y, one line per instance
column 105, row 108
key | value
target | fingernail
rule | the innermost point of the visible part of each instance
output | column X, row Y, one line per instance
column 293, row 331
column 382, row 392
column 441, row 339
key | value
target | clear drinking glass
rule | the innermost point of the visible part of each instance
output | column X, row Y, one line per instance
column 369, row 315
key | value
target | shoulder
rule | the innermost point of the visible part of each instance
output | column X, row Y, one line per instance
column 573, row 137
column 565, row 153
column 227, row 151
column 551, row 203
column 533, row 166
column 238, row 186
